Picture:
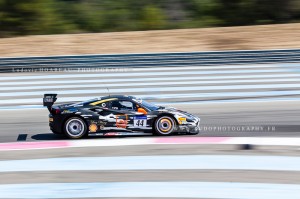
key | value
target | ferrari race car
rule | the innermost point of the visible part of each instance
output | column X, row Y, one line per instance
column 117, row 115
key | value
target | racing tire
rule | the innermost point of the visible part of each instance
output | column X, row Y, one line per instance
column 164, row 126
column 75, row 128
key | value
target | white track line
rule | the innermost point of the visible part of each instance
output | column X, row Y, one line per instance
column 256, row 141
column 162, row 162
column 157, row 96
column 153, row 89
column 145, row 79
column 138, row 84
column 185, row 67
column 219, row 190
column 131, row 74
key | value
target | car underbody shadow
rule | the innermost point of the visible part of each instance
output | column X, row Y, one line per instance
column 48, row 136
column 52, row 136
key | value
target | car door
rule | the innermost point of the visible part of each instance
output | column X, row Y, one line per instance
column 128, row 113
column 120, row 114
column 123, row 115
column 136, row 120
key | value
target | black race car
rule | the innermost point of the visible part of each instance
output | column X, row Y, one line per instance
column 117, row 115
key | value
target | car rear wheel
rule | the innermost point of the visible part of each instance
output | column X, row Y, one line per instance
column 164, row 125
column 75, row 128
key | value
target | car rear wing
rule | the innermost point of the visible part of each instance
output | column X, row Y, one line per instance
column 49, row 100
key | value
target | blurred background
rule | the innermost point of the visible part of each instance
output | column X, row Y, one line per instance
column 80, row 16
column 145, row 26
column 234, row 64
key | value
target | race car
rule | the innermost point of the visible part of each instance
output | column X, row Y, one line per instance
column 117, row 115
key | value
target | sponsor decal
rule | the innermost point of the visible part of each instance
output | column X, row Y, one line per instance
column 66, row 111
column 140, row 117
column 108, row 118
column 96, row 134
column 71, row 110
column 121, row 121
column 182, row 120
column 98, row 122
column 49, row 98
column 111, row 134
column 93, row 128
column 140, row 121
column 102, row 101
column 102, row 123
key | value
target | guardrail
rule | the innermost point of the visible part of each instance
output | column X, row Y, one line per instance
column 151, row 59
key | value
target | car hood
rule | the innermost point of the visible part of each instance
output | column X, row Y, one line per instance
column 179, row 112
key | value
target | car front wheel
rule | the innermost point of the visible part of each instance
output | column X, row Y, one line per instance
column 164, row 125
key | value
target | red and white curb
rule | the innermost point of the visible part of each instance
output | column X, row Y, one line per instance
column 275, row 141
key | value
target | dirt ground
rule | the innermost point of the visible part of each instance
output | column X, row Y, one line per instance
column 183, row 40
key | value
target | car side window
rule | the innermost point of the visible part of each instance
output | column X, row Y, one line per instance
column 123, row 105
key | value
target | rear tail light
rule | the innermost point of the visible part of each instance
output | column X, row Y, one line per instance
column 56, row 111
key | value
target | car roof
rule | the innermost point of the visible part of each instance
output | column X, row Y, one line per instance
column 120, row 97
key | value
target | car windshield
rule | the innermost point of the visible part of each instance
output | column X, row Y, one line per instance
column 149, row 105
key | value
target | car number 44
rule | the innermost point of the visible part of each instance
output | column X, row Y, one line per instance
column 140, row 121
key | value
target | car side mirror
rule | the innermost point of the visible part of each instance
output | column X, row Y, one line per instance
column 141, row 110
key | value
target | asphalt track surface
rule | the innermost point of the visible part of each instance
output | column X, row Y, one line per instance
column 32, row 124
column 148, row 183
column 221, row 179
column 274, row 90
